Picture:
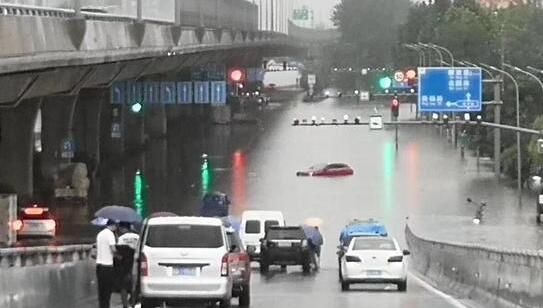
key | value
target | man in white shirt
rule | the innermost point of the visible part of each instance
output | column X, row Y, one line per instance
column 105, row 274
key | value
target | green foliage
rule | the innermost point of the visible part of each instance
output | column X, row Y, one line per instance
column 368, row 29
column 478, row 34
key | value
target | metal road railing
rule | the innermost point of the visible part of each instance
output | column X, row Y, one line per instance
column 33, row 256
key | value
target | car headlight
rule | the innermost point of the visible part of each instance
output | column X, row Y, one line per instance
column 304, row 243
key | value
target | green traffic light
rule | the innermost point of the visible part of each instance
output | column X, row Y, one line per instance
column 140, row 194
column 385, row 82
column 136, row 108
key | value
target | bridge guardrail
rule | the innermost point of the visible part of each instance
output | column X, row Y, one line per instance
column 44, row 255
column 484, row 274
column 243, row 16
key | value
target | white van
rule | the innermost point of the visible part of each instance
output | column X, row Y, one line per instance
column 184, row 259
column 253, row 228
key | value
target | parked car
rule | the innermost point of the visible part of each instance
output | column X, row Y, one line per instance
column 285, row 246
column 333, row 169
column 35, row 221
column 253, row 228
column 179, row 258
column 240, row 268
column 374, row 260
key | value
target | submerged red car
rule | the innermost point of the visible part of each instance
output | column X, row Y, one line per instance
column 333, row 169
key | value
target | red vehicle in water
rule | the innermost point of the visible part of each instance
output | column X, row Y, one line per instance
column 333, row 169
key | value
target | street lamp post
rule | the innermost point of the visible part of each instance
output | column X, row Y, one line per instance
column 519, row 161
column 447, row 51
column 422, row 56
column 435, row 49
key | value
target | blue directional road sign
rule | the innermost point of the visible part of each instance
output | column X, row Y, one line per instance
column 450, row 89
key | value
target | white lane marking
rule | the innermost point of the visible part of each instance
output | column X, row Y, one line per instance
column 449, row 299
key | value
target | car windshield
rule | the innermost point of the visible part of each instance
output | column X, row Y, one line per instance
column 286, row 233
column 318, row 167
column 373, row 244
column 269, row 223
column 184, row 236
column 252, row 227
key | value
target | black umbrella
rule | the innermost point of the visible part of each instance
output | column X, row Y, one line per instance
column 119, row 213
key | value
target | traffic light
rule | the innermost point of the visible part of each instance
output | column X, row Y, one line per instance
column 140, row 194
column 395, row 107
column 385, row 83
column 137, row 106
column 236, row 75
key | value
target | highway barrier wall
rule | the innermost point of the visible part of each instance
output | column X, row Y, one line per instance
column 492, row 277
column 46, row 276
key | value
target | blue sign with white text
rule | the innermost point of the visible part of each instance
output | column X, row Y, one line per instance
column 450, row 89
column 184, row 92
column 201, row 92
column 218, row 92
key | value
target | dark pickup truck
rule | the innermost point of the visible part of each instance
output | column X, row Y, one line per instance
column 285, row 246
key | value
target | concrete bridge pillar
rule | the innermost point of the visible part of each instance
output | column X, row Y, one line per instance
column 156, row 156
column 111, row 172
column 134, row 149
column 57, row 123
column 87, row 133
column 16, row 147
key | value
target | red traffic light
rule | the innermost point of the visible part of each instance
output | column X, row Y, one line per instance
column 395, row 108
column 236, row 75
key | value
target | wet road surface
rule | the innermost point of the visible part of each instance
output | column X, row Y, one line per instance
column 425, row 179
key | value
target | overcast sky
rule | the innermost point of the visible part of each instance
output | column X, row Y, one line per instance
column 323, row 9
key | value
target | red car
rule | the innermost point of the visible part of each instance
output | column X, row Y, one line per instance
column 334, row 169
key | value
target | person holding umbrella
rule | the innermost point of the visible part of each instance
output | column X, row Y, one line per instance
column 106, row 249
column 105, row 273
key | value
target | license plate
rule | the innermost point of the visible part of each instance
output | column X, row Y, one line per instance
column 184, row 271
column 373, row 273
column 34, row 226
column 284, row 244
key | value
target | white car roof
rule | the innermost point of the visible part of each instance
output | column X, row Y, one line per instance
column 185, row 220
column 261, row 214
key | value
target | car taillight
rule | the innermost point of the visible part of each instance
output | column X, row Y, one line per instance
column 224, row 266
column 144, row 266
column 352, row 259
column 395, row 259
column 50, row 224
column 17, row 225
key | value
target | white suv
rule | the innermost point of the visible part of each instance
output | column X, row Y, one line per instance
column 184, row 260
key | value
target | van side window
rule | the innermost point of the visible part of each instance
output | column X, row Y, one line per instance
column 252, row 227
column 269, row 223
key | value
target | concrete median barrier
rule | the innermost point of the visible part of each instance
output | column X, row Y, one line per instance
column 490, row 276
column 46, row 276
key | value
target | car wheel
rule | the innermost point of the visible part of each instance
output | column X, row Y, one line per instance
column 145, row 303
column 264, row 267
column 402, row 286
column 306, row 268
column 225, row 303
column 345, row 286
column 245, row 297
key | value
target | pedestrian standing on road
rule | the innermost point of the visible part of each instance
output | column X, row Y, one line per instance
column 105, row 274
column 126, row 248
